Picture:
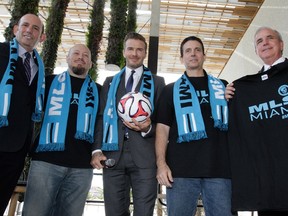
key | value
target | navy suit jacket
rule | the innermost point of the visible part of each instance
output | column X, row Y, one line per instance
column 142, row 148
column 19, row 131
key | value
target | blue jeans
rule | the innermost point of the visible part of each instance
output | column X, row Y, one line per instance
column 56, row 190
column 183, row 196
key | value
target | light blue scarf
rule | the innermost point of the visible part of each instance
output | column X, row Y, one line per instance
column 6, row 86
column 110, row 116
column 53, row 131
column 188, row 112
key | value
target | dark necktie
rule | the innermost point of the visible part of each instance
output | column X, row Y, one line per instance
column 27, row 65
column 129, row 86
column 130, row 81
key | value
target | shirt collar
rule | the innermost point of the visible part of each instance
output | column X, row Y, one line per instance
column 280, row 60
column 21, row 51
column 138, row 71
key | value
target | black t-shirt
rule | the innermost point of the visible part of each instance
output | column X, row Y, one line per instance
column 258, row 125
column 200, row 158
column 77, row 153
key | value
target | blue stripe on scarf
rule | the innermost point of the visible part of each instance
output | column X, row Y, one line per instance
column 188, row 111
column 6, row 85
column 110, row 116
column 53, row 130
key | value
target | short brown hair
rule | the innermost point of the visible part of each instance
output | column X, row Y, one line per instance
column 135, row 36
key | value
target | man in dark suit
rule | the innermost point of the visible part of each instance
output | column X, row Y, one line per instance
column 17, row 100
column 130, row 144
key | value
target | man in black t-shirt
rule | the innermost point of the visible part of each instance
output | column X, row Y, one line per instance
column 191, row 143
column 60, row 172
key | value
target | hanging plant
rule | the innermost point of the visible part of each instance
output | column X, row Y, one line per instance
column 117, row 32
column 132, row 16
column 95, row 34
column 54, row 29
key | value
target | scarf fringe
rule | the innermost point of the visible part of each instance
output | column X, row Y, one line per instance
column 110, row 147
column 36, row 117
column 84, row 136
column 50, row 147
column 219, row 124
column 192, row 136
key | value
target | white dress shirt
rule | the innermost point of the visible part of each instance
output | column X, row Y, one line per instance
column 280, row 60
column 136, row 76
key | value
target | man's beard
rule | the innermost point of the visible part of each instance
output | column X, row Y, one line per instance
column 78, row 70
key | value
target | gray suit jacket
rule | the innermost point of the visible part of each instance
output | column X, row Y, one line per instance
column 142, row 148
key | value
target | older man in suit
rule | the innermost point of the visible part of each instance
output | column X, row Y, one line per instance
column 22, row 83
column 130, row 144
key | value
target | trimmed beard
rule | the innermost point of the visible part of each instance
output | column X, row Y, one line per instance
column 78, row 70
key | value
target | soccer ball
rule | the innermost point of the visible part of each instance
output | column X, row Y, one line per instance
column 134, row 105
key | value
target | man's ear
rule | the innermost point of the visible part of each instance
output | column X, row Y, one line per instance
column 15, row 29
column 42, row 37
column 123, row 52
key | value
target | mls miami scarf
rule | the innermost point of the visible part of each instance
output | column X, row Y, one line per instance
column 188, row 112
column 53, row 131
column 6, row 86
column 110, row 116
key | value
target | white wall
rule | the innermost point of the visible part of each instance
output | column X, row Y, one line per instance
column 244, row 61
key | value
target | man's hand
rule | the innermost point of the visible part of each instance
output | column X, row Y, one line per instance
column 97, row 157
column 139, row 126
column 164, row 175
column 229, row 91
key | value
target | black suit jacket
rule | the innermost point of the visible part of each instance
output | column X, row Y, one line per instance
column 19, row 131
column 142, row 148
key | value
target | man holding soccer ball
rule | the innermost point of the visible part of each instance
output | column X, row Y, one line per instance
column 130, row 144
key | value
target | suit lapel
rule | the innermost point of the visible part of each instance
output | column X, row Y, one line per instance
column 121, row 88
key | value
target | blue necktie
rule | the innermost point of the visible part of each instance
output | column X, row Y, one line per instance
column 129, row 83
column 27, row 66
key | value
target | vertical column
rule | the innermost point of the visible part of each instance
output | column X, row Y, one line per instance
column 154, row 36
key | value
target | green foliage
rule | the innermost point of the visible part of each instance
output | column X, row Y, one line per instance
column 117, row 32
column 132, row 16
column 95, row 34
column 93, row 73
column 21, row 7
column 54, row 29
